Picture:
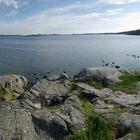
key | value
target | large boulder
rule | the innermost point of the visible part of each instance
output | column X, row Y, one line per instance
column 128, row 123
column 16, row 124
column 48, row 88
column 105, row 75
column 13, row 83
column 47, row 123
column 72, row 112
column 45, row 91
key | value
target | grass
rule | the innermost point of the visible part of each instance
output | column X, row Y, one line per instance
column 7, row 96
column 128, row 84
column 72, row 87
column 137, row 133
column 93, row 83
column 119, row 110
column 54, row 107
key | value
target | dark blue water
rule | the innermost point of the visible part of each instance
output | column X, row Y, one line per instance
column 29, row 55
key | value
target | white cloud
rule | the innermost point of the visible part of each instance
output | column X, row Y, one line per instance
column 114, row 11
column 61, row 20
column 119, row 2
column 13, row 3
column 78, row 2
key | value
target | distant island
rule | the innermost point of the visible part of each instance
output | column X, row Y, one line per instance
column 133, row 32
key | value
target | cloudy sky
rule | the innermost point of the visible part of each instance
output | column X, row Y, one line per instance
column 68, row 16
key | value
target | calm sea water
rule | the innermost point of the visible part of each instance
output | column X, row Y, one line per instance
column 29, row 55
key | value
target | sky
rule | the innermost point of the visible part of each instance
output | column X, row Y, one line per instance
column 68, row 16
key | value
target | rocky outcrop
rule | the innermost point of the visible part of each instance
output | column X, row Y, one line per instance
column 121, row 110
column 31, row 116
column 20, row 120
column 64, row 121
column 46, row 92
column 72, row 112
column 16, row 124
column 13, row 83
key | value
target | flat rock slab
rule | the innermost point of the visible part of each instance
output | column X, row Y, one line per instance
column 93, row 91
column 124, row 100
column 48, row 88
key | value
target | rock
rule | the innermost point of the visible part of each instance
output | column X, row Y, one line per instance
column 130, row 136
column 61, row 77
column 90, row 92
column 107, row 111
column 47, row 123
column 128, row 123
column 45, row 90
column 21, row 119
column 53, row 77
column 71, row 111
column 105, row 75
column 64, row 76
column 13, row 83
column 1, row 99
column 124, row 100
column 48, row 88
column 24, row 104
column 16, row 124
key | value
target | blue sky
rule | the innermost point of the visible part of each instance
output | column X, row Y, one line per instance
column 68, row 16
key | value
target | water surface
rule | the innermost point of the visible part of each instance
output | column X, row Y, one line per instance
column 29, row 55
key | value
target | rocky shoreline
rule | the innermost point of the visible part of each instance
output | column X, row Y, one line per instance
column 57, row 107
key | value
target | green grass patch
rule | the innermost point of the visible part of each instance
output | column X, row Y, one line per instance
column 7, row 96
column 128, row 84
column 54, row 107
column 93, row 83
column 72, row 86
column 119, row 110
column 137, row 134
column 88, row 107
